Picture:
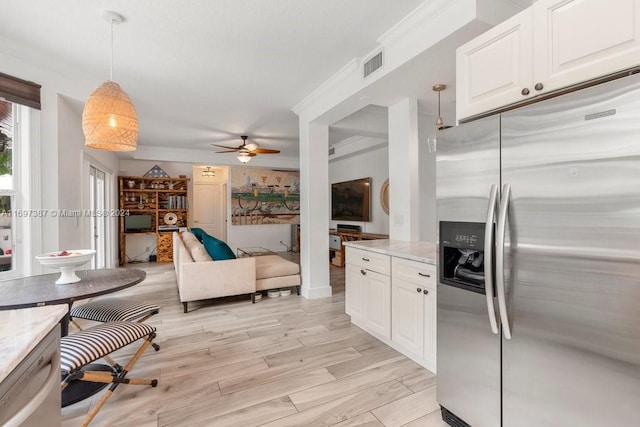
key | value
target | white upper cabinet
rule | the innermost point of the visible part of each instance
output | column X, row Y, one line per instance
column 495, row 68
column 579, row 40
column 549, row 46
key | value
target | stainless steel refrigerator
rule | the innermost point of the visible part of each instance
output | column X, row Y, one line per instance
column 539, row 269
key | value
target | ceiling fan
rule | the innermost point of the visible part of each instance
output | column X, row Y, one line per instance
column 249, row 150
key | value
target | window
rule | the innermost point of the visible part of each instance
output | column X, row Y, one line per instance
column 20, row 191
column 8, row 141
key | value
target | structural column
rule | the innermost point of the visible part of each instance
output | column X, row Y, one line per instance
column 314, row 209
column 404, row 178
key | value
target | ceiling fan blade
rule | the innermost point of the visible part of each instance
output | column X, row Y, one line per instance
column 265, row 151
column 227, row 151
column 227, row 147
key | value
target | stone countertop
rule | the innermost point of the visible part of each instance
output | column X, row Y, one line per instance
column 417, row 251
column 21, row 330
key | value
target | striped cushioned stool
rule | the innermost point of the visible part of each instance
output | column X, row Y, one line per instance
column 114, row 310
column 84, row 347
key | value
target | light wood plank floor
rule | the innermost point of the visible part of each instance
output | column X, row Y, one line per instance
column 284, row 361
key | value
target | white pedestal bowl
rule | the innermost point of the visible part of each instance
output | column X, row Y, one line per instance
column 66, row 263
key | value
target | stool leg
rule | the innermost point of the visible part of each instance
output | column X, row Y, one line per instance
column 121, row 378
column 138, row 354
column 94, row 411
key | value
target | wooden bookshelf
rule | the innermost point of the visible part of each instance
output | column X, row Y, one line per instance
column 156, row 197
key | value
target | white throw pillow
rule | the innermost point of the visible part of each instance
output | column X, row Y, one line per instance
column 199, row 253
column 188, row 236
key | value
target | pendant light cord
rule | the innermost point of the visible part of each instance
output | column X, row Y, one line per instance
column 111, row 68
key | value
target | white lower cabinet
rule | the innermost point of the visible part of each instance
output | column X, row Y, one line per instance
column 408, row 316
column 378, row 303
column 354, row 299
column 413, row 310
column 368, row 291
column 398, row 307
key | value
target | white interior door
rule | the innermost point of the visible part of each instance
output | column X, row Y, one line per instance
column 210, row 208
column 99, row 219
column 98, row 203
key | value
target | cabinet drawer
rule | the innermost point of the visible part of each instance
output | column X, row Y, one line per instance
column 369, row 260
column 415, row 272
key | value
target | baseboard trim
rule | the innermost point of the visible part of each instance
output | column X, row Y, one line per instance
column 313, row 293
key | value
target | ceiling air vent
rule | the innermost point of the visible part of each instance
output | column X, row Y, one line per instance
column 332, row 151
column 372, row 64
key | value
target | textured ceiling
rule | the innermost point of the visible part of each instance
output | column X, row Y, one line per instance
column 203, row 71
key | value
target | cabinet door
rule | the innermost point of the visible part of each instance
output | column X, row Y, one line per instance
column 378, row 293
column 578, row 40
column 407, row 314
column 354, row 288
column 495, row 68
column 164, row 245
column 430, row 326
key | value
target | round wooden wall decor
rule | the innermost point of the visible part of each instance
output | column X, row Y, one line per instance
column 384, row 196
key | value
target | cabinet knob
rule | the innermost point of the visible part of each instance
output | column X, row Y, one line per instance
column 365, row 259
column 539, row 86
column 426, row 291
column 363, row 272
column 424, row 275
column 525, row 91
column 419, row 290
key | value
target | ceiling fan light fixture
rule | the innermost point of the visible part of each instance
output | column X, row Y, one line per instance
column 244, row 158
column 109, row 119
column 246, row 151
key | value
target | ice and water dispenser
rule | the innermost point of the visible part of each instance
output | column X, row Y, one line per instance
column 462, row 255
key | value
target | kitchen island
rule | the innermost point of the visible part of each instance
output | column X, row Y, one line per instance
column 30, row 365
column 390, row 292
column 22, row 329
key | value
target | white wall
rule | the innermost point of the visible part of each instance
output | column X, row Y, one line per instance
column 428, row 225
column 52, row 151
column 404, row 171
column 375, row 164
column 72, row 231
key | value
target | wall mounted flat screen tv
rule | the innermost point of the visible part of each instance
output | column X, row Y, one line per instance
column 137, row 223
column 351, row 200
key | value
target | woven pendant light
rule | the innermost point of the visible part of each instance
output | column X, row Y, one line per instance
column 109, row 119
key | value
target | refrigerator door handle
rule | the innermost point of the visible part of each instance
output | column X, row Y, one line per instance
column 502, row 227
column 488, row 257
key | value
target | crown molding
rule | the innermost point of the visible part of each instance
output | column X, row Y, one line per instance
column 414, row 20
column 351, row 67
column 393, row 42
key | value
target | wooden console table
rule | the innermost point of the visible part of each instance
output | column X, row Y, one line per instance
column 350, row 236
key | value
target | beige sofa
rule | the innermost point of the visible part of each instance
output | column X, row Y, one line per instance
column 199, row 277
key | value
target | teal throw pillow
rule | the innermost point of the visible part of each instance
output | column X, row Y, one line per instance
column 217, row 249
column 198, row 232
